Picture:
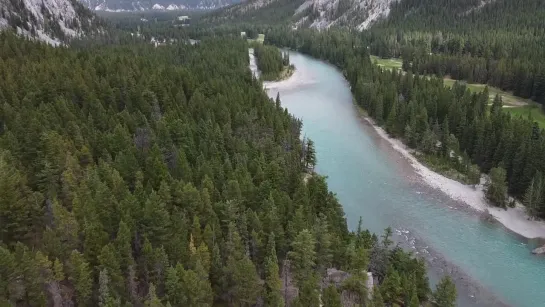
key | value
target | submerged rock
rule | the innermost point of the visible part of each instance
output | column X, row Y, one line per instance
column 539, row 250
column 487, row 216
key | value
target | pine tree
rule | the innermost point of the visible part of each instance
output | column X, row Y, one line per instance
column 308, row 292
column 273, row 284
column 445, row 293
column 391, row 286
column 377, row 300
column 152, row 300
column 246, row 282
column 310, row 155
column 174, row 286
column 80, row 275
column 496, row 189
column 105, row 298
column 123, row 246
column 474, row 175
column 331, row 297
column 414, row 298
column 108, row 262
column 324, row 254
column 197, row 287
column 532, row 197
column 303, row 256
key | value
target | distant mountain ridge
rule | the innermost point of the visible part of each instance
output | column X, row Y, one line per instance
column 163, row 5
column 322, row 14
column 53, row 21
column 318, row 14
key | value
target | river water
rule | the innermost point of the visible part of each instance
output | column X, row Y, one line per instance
column 490, row 266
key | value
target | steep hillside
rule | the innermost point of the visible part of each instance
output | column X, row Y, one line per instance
column 355, row 14
column 359, row 14
column 258, row 11
column 311, row 13
column 164, row 5
column 53, row 21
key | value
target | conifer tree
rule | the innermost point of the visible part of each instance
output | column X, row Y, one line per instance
column 303, row 256
column 445, row 293
column 377, row 300
column 496, row 189
column 152, row 300
column 414, row 298
column 331, row 297
column 273, row 284
column 80, row 275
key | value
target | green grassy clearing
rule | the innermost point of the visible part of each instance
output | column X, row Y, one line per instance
column 517, row 106
column 524, row 111
column 393, row 63
column 260, row 39
column 508, row 98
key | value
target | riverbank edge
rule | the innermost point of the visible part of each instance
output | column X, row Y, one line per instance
column 513, row 219
column 286, row 73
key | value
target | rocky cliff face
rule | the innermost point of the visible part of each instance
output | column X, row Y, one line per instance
column 53, row 21
column 359, row 14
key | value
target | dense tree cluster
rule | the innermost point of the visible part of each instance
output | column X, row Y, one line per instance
column 270, row 12
column 134, row 175
column 501, row 43
column 450, row 124
column 270, row 61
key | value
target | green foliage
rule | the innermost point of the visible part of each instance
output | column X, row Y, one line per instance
column 331, row 297
column 270, row 61
column 457, row 132
column 137, row 175
column 445, row 293
column 303, row 256
column 377, row 300
column 496, row 189
column 81, row 276
column 273, row 284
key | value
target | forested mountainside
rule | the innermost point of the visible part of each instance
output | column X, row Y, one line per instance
column 257, row 12
column 54, row 21
column 134, row 175
column 168, row 5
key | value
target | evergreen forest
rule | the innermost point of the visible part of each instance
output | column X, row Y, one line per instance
column 142, row 176
column 501, row 43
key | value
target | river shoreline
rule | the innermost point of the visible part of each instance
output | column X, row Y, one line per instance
column 513, row 219
column 471, row 291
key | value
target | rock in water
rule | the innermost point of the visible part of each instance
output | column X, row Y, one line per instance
column 539, row 250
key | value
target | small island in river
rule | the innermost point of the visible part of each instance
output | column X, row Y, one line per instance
column 273, row 64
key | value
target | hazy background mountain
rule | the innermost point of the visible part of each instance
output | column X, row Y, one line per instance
column 131, row 5
column 53, row 21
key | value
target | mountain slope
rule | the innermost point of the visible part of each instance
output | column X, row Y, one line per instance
column 53, row 21
column 359, row 14
column 311, row 13
column 355, row 14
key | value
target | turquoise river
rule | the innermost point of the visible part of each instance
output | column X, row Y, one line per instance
column 491, row 266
